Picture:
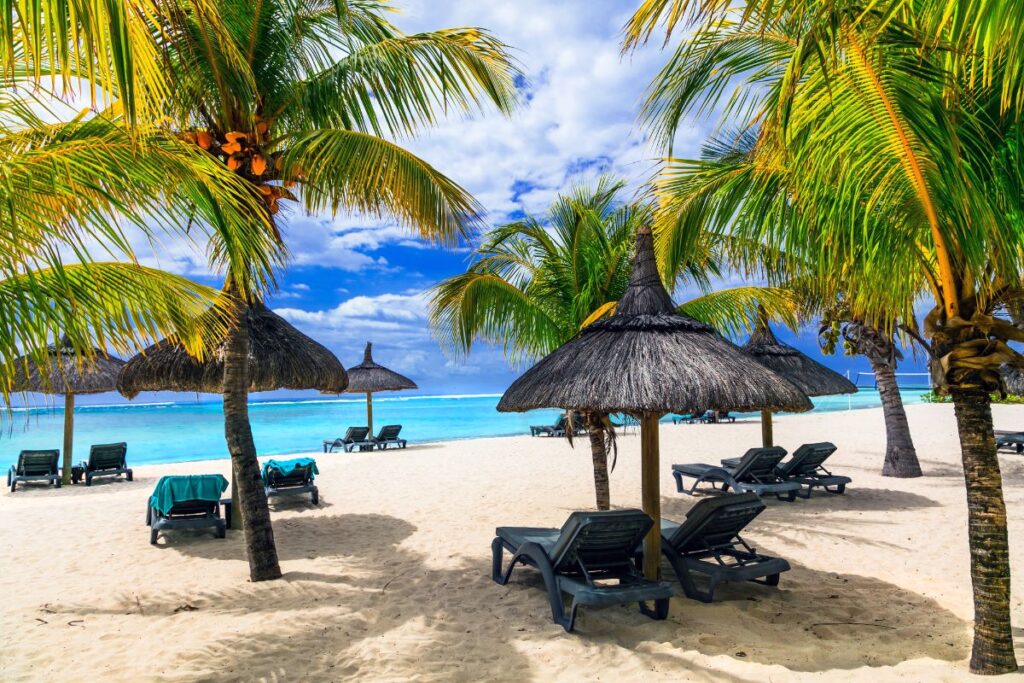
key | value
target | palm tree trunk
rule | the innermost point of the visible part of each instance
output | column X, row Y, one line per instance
column 900, row 454
column 252, row 500
column 599, row 453
column 992, row 652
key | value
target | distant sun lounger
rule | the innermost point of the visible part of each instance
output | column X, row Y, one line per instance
column 755, row 472
column 106, row 460
column 186, row 502
column 291, row 477
column 35, row 466
column 590, row 558
column 354, row 436
column 708, row 544
column 1010, row 441
column 387, row 436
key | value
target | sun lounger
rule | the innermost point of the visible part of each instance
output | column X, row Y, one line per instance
column 35, row 466
column 549, row 430
column 806, row 467
column 387, row 436
column 354, row 436
column 755, row 472
column 708, row 543
column 291, row 477
column 186, row 502
column 1010, row 441
column 590, row 558
column 106, row 460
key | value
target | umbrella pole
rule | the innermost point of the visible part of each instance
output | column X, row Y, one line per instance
column 369, row 411
column 69, row 439
column 767, row 438
column 651, row 494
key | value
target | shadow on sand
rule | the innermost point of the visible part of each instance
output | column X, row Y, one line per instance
column 367, row 605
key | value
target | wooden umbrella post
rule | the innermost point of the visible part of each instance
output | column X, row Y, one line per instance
column 69, row 437
column 369, row 411
column 767, row 438
column 651, row 493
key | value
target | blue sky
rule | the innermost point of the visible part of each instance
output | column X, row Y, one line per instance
column 353, row 279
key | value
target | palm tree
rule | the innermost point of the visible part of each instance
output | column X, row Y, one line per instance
column 69, row 190
column 897, row 135
column 303, row 96
column 536, row 282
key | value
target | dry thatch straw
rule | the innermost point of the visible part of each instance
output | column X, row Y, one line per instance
column 812, row 378
column 280, row 357
column 649, row 359
column 369, row 377
column 67, row 372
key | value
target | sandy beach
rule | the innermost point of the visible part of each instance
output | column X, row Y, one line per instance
column 388, row 579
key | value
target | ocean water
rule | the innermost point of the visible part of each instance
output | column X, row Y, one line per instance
column 194, row 430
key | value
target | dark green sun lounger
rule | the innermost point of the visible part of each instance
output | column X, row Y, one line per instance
column 1010, row 441
column 590, row 558
column 35, row 466
column 806, row 467
column 106, row 460
column 354, row 436
column 708, row 544
column 291, row 477
column 755, row 473
column 186, row 502
column 549, row 430
column 387, row 436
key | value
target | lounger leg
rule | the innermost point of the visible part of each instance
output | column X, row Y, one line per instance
column 771, row 580
column 805, row 495
column 789, row 497
column 149, row 515
column 497, row 550
column 88, row 479
column 678, row 476
column 222, row 531
column 660, row 611
column 316, row 496
column 56, row 482
column 129, row 475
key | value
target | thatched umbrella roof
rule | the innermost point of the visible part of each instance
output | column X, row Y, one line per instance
column 280, row 357
column 67, row 372
column 812, row 378
column 369, row 377
column 647, row 358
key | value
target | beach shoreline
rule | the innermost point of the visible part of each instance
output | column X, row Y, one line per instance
column 389, row 578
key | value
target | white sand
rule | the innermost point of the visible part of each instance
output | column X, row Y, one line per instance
column 388, row 580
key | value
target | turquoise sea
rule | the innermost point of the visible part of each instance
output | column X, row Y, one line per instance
column 194, row 430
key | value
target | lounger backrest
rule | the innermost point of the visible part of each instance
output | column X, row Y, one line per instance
column 35, row 463
column 758, row 464
column 389, row 432
column 716, row 521
column 356, row 434
column 192, row 508
column 806, row 459
column 599, row 541
column 297, row 477
column 107, row 456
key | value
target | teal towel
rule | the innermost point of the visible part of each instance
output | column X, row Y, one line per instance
column 286, row 467
column 173, row 489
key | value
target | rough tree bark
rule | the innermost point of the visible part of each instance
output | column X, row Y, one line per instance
column 900, row 454
column 252, row 499
column 992, row 651
column 599, row 453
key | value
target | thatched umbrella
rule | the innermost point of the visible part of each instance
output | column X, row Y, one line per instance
column 648, row 360
column 369, row 378
column 810, row 376
column 69, row 374
column 280, row 357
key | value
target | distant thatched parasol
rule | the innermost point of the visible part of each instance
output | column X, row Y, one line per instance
column 68, row 374
column 648, row 360
column 280, row 357
column 369, row 378
column 810, row 376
